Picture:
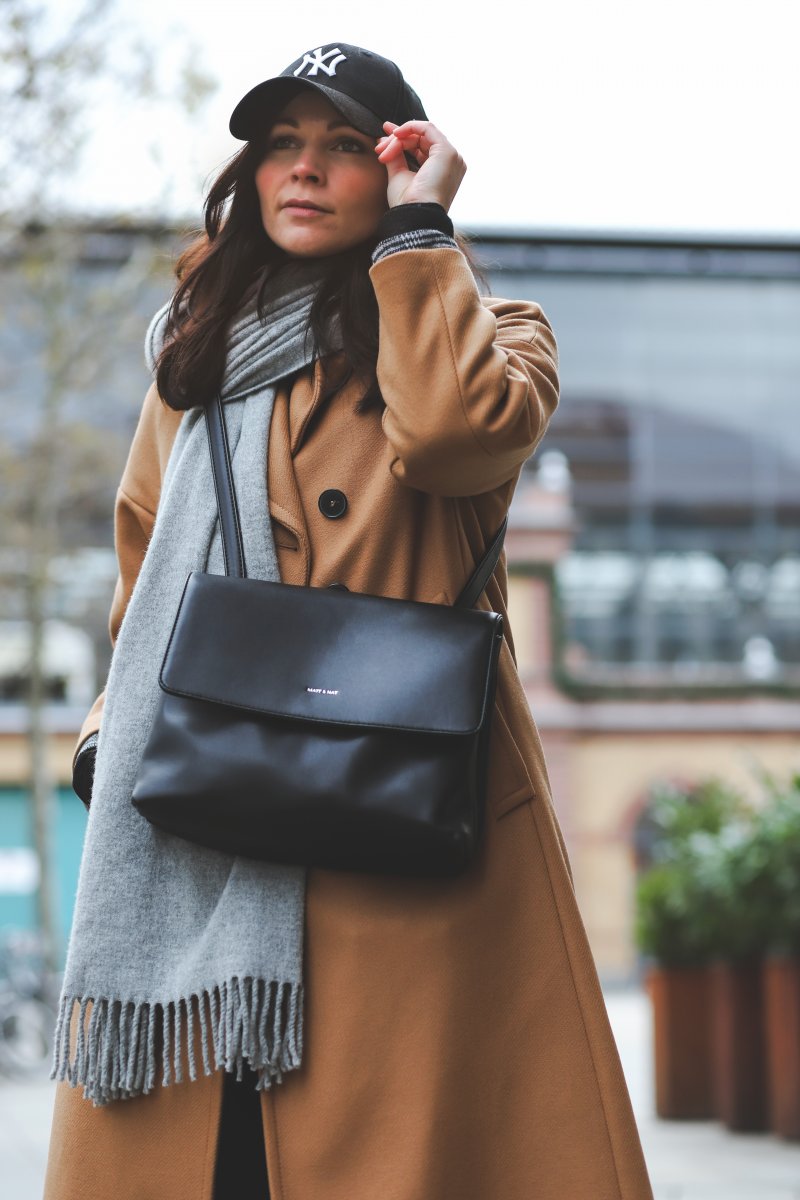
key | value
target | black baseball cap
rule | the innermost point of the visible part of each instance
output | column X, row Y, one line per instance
column 366, row 88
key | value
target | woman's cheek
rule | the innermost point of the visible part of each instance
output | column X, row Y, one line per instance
column 264, row 182
column 367, row 196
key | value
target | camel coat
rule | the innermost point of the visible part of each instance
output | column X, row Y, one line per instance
column 456, row 1045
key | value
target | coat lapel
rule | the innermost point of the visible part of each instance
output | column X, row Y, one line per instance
column 294, row 552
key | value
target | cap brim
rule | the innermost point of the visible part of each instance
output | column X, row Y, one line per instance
column 254, row 111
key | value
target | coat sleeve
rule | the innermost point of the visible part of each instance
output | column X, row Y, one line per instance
column 134, row 516
column 469, row 384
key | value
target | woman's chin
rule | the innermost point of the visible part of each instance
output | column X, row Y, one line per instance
column 305, row 243
column 311, row 243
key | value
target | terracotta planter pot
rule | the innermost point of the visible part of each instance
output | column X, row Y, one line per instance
column 739, row 1046
column 782, row 996
column 682, row 1042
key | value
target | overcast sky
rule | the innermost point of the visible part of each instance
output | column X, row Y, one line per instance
column 572, row 114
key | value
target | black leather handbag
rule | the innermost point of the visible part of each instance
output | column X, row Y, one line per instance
column 322, row 727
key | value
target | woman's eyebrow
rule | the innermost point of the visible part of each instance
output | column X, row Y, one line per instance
column 339, row 124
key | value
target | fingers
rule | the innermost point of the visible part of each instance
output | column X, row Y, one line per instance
column 417, row 133
column 385, row 144
column 420, row 129
column 412, row 142
column 440, row 168
column 390, row 148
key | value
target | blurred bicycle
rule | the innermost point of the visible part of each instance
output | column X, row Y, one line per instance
column 28, row 1001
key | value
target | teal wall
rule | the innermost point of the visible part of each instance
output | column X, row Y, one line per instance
column 18, row 910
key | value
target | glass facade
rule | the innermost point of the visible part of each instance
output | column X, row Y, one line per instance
column 680, row 421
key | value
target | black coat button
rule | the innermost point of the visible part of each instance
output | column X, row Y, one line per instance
column 332, row 503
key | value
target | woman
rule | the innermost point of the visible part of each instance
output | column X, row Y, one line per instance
column 439, row 1038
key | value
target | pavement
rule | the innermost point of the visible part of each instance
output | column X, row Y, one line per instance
column 695, row 1160
column 687, row 1160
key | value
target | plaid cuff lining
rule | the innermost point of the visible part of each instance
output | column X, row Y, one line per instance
column 417, row 239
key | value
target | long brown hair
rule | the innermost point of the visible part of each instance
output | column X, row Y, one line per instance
column 234, row 253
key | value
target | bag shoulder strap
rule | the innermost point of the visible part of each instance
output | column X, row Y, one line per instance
column 483, row 572
column 231, row 530
column 229, row 525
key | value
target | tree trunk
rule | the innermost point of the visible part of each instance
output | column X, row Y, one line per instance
column 40, row 783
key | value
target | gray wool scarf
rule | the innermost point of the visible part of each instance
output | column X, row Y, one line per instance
column 169, row 938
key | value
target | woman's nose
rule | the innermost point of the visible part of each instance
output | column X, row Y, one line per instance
column 308, row 165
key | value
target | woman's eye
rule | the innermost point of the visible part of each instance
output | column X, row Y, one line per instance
column 287, row 141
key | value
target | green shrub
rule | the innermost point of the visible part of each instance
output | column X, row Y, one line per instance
column 728, row 881
column 741, row 891
column 674, row 925
column 675, row 812
column 776, row 851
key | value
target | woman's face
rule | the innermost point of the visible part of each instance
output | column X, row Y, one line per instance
column 320, row 185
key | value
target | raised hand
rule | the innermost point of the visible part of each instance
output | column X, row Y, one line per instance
column 441, row 167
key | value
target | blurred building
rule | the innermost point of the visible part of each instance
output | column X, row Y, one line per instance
column 656, row 545
column 653, row 548
column 680, row 367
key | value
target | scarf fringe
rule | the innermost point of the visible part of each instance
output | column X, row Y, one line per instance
column 242, row 1020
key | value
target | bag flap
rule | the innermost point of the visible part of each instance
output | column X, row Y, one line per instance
column 321, row 654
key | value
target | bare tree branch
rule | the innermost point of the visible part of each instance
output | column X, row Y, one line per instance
column 65, row 327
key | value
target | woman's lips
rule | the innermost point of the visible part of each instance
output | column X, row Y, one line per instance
column 300, row 209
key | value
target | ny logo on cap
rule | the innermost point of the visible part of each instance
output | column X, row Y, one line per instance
column 317, row 62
